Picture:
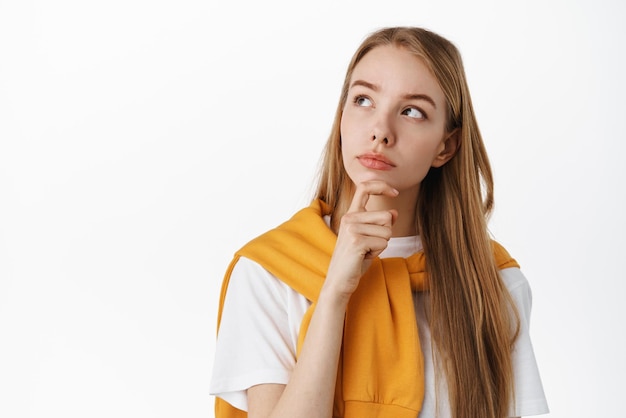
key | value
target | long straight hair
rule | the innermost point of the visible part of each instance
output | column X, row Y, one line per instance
column 472, row 317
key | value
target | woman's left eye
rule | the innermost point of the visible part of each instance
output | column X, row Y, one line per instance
column 414, row 112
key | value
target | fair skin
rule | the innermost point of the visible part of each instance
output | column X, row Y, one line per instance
column 392, row 132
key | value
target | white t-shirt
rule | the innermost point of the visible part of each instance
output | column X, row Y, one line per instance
column 261, row 318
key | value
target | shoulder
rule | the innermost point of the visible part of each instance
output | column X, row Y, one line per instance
column 250, row 281
column 514, row 278
column 520, row 291
column 254, row 287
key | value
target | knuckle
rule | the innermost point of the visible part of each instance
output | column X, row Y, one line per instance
column 347, row 220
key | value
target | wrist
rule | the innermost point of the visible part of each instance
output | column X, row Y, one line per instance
column 332, row 297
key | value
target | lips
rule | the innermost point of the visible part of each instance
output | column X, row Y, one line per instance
column 376, row 161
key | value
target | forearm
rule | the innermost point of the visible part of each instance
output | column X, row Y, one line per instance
column 311, row 388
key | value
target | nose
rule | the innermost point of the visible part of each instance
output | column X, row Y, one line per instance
column 384, row 139
column 382, row 132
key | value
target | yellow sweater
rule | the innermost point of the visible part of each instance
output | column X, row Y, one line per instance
column 381, row 369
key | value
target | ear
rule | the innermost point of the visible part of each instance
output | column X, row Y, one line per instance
column 449, row 147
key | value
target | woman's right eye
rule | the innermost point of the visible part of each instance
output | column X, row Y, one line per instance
column 362, row 101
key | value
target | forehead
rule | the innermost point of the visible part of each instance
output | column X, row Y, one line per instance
column 395, row 69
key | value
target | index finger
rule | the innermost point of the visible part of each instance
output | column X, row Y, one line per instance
column 370, row 188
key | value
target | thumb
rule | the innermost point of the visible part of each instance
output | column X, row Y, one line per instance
column 394, row 216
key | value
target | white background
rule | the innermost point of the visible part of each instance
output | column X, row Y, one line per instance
column 142, row 142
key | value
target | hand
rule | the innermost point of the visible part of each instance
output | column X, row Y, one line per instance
column 362, row 236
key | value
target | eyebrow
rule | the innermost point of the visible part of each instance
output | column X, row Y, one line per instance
column 409, row 96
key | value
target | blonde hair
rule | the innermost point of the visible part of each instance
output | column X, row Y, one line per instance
column 472, row 317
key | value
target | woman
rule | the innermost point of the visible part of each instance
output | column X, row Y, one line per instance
column 386, row 297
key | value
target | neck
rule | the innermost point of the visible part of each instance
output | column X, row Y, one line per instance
column 404, row 203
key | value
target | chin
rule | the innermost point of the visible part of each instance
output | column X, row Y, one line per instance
column 361, row 177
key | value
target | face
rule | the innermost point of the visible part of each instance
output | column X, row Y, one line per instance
column 393, row 122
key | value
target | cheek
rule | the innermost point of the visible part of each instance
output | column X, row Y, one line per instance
column 352, row 124
column 422, row 153
column 344, row 124
column 344, row 142
column 347, row 130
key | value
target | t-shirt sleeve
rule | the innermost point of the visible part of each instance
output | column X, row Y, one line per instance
column 529, row 395
column 255, row 342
